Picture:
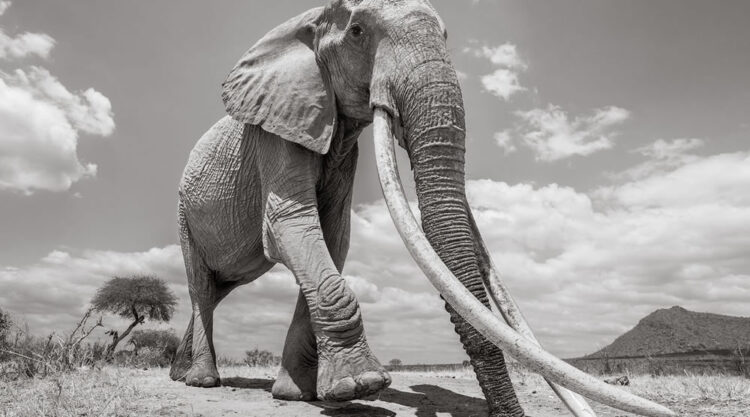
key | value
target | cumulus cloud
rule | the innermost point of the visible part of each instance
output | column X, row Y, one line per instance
column 704, row 181
column 503, row 82
column 552, row 135
column 505, row 55
column 25, row 45
column 587, row 266
column 51, row 294
column 584, row 266
column 41, row 121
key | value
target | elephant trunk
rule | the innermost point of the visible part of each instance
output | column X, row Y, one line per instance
column 434, row 134
column 420, row 100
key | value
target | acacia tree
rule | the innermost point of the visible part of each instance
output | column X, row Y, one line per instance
column 136, row 298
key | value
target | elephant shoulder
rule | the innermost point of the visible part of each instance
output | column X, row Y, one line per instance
column 214, row 160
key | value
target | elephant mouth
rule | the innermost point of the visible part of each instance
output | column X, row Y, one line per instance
column 517, row 340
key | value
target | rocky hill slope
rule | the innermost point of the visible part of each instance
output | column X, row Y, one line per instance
column 677, row 330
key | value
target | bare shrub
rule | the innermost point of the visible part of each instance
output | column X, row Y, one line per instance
column 5, row 327
column 24, row 355
column 741, row 361
column 257, row 357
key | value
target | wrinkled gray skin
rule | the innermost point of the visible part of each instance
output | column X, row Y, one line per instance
column 273, row 184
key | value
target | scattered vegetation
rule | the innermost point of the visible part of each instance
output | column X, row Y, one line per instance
column 67, row 375
column 261, row 358
column 151, row 348
column 24, row 355
column 5, row 325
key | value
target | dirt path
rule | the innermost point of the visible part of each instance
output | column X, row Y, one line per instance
column 419, row 395
column 422, row 395
column 120, row 392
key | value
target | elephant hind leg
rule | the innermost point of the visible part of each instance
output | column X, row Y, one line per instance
column 183, row 358
column 203, row 297
column 298, row 374
column 197, row 347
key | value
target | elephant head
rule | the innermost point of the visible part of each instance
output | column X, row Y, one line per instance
column 322, row 76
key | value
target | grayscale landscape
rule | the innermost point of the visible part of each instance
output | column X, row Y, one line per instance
column 430, row 208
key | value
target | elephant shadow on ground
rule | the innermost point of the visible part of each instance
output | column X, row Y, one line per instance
column 248, row 383
column 427, row 400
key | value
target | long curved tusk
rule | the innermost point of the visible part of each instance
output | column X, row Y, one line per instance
column 509, row 310
column 476, row 314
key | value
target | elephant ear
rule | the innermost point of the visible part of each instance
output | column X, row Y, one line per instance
column 279, row 86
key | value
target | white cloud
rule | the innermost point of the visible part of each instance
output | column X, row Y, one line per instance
column 662, row 155
column 704, row 181
column 25, row 45
column 505, row 142
column 670, row 150
column 40, row 121
column 586, row 267
column 552, row 135
column 503, row 82
column 505, row 55
column 88, row 111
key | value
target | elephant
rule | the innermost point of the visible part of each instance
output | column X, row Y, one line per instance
column 272, row 182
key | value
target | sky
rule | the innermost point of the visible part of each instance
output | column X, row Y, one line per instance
column 608, row 164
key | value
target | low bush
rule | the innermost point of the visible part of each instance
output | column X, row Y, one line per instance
column 257, row 357
column 24, row 355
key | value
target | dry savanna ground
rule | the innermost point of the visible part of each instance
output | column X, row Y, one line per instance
column 112, row 391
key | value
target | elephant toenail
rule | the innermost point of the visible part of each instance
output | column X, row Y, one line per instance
column 387, row 378
column 371, row 380
column 345, row 389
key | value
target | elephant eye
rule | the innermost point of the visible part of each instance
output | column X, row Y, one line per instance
column 356, row 30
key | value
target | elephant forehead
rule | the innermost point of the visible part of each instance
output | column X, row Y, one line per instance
column 393, row 10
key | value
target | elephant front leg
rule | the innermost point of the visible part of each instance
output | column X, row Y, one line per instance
column 347, row 369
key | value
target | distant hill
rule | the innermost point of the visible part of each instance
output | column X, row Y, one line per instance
column 678, row 331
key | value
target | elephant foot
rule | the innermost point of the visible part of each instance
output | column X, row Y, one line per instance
column 180, row 368
column 203, row 376
column 349, row 372
column 297, row 384
column 181, row 364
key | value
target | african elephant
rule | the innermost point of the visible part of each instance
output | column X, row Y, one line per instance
column 272, row 183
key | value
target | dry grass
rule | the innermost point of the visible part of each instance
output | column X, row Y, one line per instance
column 689, row 395
column 106, row 392
column 697, row 395
column 113, row 391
